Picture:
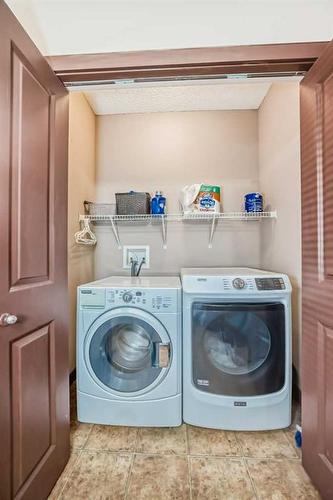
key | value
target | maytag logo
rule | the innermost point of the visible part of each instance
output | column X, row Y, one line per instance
column 240, row 403
column 203, row 382
column 86, row 292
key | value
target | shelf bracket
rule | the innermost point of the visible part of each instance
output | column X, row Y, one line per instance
column 164, row 232
column 115, row 232
column 212, row 231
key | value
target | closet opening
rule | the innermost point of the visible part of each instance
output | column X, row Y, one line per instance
column 239, row 132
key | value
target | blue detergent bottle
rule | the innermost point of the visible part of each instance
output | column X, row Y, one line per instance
column 158, row 204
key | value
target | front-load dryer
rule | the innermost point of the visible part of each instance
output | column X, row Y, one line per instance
column 237, row 348
column 129, row 351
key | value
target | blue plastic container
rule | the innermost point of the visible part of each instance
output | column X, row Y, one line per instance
column 253, row 202
column 158, row 204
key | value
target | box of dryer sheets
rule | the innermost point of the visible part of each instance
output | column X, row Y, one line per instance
column 208, row 199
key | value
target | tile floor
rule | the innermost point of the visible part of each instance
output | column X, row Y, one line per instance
column 114, row 463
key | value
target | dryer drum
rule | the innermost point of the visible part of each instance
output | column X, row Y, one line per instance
column 130, row 348
column 237, row 343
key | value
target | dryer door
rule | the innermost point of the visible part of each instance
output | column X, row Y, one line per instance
column 128, row 351
column 238, row 349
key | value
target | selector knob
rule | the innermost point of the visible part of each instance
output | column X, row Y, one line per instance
column 238, row 283
column 127, row 297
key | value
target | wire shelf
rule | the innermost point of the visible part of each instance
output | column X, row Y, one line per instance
column 180, row 217
column 211, row 218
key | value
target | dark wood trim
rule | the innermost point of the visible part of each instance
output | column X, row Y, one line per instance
column 72, row 377
column 187, row 62
column 296, row 391
column 297, row 395
column 182, row 57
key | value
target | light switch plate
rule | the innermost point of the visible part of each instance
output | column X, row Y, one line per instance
column 136, row 252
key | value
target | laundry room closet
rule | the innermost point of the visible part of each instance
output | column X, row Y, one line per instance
column 241, row 135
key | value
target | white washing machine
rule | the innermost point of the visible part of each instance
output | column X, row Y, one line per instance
column 237, row 348
column 129, row 351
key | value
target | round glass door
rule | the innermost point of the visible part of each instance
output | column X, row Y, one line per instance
column 123, row 353
column 237, row 343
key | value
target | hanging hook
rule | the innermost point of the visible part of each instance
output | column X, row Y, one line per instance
column 85, row 236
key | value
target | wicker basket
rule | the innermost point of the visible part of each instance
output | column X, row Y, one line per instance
column 132, row 203
column 91, row 208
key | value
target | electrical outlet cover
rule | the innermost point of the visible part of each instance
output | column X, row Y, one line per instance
column 138, row 252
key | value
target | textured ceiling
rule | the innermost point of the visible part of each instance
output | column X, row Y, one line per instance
column 177, row 98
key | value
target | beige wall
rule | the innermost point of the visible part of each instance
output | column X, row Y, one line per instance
column 81, row 180
column 166, row 151
column 279, row 175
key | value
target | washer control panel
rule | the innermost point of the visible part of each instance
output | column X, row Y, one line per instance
column 152, row 300
column 270, row 284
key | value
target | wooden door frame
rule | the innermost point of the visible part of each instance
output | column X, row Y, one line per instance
column 193, row 62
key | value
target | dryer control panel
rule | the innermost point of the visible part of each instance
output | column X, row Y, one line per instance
column 270, row 284
column 238, row 283
column 252, row 284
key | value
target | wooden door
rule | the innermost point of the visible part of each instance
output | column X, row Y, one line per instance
column 317, row 241
column 34, row 408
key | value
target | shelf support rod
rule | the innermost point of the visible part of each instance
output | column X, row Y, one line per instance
column 212, row 230
column 115, row 232
column 164, row 233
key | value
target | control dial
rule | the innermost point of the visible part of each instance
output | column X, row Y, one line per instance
column 238, row 283
column 127, row 297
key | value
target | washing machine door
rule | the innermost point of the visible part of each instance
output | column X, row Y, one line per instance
column 128, row 351
column 238, row 349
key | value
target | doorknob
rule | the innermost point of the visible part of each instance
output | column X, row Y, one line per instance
column 7, row 319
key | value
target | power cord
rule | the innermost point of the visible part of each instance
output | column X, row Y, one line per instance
column 143, row 261
column 134, row 265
